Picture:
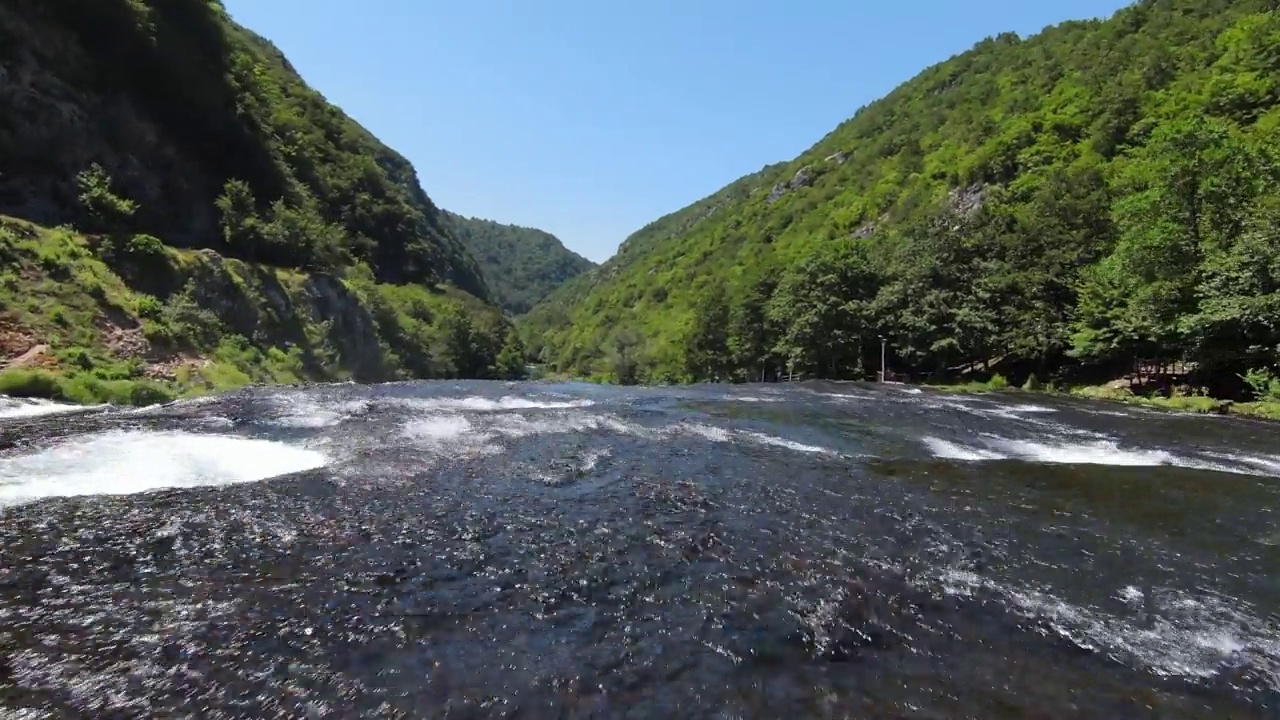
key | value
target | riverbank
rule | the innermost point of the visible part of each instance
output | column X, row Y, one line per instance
column 129, row 320
column 1193, row 404
column 86, row 389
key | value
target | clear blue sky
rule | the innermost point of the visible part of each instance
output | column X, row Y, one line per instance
column 590, row 118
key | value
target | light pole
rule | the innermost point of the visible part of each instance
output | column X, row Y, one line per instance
column 882, row 375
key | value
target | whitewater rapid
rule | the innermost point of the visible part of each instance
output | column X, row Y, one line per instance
column 1085, row 520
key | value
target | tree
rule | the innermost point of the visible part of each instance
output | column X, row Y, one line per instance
column 706, row 349
column 241, row 228
column 511, row 364
column 104, row 210
column 623, row 359
column 751, row 334
column 455, row 348
column 299, row 236
column 822, row 309
column 1236, row 326
column 1183, row 196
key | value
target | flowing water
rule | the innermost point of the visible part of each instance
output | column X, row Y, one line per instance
column 537, row 550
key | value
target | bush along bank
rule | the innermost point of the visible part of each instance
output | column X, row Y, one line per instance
column 1263, row 394
column 125, row 319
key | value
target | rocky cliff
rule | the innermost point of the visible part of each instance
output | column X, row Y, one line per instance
column 217, row 220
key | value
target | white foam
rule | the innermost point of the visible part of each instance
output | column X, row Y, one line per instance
column 445, row 427
column 302, row 411
column 517, row 426
column 1102, row 452
column 846, row 396
column 1033, row 409
column 707, row 432
column 23, row 408
column 721, row 435
column 1021, row 414
column 764, row 439
column 592, row 458
column 1097, row 452
column 182, row 403
column 1254, row 464
column 954, row 451
column 481, row 404
column 126, row 462
column 1187, row 635
column 480, row 434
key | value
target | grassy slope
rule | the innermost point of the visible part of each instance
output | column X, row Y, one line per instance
column 332, row 263
column 174, row 99
column 211, row 324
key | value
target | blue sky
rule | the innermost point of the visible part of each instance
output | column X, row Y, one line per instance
column 590, row 118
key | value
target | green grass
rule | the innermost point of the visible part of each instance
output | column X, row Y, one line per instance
column 997, row 383
column 1194, row 404
column 1200, row 404
column 110, row 308
column 1262, row 409
column 82, row 388
column 60, row 287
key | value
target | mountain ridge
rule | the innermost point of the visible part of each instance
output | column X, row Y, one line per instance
column 520, row 264
column 181, row 212
column 1028, row 151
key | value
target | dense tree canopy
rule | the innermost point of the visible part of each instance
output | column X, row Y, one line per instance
column 1100, row 193
column 521, row 265
column 188, row 107
column 155, row 127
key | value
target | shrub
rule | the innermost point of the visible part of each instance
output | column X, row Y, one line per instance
column 149, row 306
column 78, row 357
column 1264, row 384
column 997, row 382
column 105, row 211
column 143, row 392
column 30, row 384
column 145, row 246
column 186, row 322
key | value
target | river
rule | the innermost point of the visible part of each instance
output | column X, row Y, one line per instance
column 486, row 549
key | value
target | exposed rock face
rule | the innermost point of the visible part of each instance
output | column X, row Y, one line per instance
column 253, row 303
column 803, row 178
column 52, row 127
column 966, row 202
column 865, row 230
column 351, row 327
column 173, row 100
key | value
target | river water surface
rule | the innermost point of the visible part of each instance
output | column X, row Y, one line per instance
column 538, row 550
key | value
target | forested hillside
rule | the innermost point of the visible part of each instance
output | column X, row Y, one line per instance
column 178, row 208
column 520, row 265
column 1062, row 205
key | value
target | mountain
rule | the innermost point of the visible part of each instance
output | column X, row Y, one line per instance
column 1061, row 205
column 179, row 211
column 520, row 265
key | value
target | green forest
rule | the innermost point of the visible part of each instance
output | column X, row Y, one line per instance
column 180, row 212
column 520, row 265
column 1057, row 209
column 1053, row 209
